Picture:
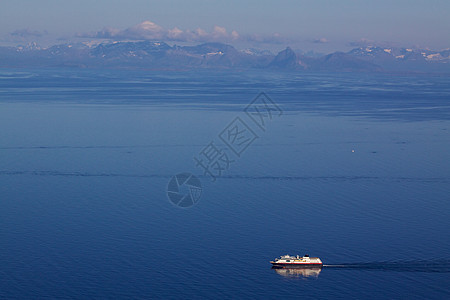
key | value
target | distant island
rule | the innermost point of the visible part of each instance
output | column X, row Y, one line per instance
column 159, row 55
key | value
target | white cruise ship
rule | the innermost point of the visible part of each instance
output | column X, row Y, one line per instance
column 287, row 261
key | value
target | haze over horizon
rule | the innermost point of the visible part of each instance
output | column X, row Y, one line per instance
column 322, row 26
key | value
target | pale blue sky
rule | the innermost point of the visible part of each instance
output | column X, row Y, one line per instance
column 402, row 22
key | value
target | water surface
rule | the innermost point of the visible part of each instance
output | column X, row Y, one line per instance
column 355, row 171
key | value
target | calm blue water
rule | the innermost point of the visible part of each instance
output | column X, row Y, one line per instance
column 355, row 171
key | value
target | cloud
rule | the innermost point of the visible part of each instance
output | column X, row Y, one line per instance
column 175, row 33
column 142, row 31
column 25, row 33
column 320, row 41
column 148, row 30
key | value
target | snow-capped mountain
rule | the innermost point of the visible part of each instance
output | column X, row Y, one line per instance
column 160, row 55
column 380, row 53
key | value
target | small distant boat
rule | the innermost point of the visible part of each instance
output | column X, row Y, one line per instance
column 287, row 261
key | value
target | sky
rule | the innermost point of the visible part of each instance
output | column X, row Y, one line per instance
column 309, row 24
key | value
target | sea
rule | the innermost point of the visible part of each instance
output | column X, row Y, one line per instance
column 185, row 184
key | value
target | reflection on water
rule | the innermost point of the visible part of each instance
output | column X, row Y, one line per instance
column 298, row 272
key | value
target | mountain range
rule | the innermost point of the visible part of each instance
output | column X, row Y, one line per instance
column 162, row 56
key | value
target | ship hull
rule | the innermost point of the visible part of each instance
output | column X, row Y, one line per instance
column 296, row 265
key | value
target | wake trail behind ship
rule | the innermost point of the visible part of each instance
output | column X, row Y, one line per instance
column 431, row 266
